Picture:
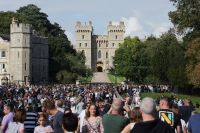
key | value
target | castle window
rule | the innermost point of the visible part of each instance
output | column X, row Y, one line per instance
column 3, row 54
column 113, row 44
column 18, row 54
column 116, row 37
column 83, row 36
column 79, row 44
column 106, row 44
column 99, row 54
column 106, row 55
column 3, row 66
column 99, row 45
column 85, row 44
column 25, row 66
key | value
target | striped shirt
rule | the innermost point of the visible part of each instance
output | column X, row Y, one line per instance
column 31, row 120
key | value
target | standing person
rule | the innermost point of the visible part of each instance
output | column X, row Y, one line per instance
column 135, row 116
column 102, row 109
column 30, row 121
column 9, row 114
column 114, row 122
column 150, row 124
column 43, row 126
column 70, row 123
column 17, row 125
column 92, row 122
column 59, row 105
column 57, row 115
column 168, row 116
column 82, row 115
column 186, row 109
column 193, row 124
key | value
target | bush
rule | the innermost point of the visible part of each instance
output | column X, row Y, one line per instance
column 66, row 77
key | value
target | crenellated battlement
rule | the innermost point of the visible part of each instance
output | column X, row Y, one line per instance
column 87, row 27
column 116, row 28
column 16, row 27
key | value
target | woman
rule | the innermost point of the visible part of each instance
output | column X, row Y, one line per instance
column 92, row 122
column 134, row 116
column 17, row 125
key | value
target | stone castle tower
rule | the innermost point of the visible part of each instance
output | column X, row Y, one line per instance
column 20, row 51
column 23, row 55
column 99, row 50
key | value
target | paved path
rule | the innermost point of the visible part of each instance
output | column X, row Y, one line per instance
column 100, row 77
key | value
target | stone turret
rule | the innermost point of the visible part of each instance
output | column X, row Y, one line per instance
column 84, row 40
column 20, row 51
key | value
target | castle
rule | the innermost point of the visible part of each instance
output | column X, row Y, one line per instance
column 99, row 50
column 23, row 56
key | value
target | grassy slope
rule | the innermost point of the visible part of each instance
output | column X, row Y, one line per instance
column 119, row 79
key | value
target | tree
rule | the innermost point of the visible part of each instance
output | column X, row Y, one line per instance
column 193, row 66
column 123, row 60
column 186, row 17
column 63, row 59
column 168, row 60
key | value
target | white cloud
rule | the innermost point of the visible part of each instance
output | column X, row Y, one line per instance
column 161, row 29
column 133, row 26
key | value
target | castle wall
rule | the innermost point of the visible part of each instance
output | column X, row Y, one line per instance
column 40, row 57
column 26, row 55
column 4, row 60
column 103, row 47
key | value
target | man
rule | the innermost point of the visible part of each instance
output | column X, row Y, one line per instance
column 168, row 116
column 59, row 105
column 57, row 115
column 193, row 124
column 150, row 124
column 31, row 119
column 114, row 122
column 186, row 109
column 70, row 123
column 8, row 111
column 102, row 109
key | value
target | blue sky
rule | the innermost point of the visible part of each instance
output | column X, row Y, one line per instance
column 141, row 17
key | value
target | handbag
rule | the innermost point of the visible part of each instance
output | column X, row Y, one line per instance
column 84, row 129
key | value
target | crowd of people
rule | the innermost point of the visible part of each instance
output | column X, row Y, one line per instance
column 94, row 108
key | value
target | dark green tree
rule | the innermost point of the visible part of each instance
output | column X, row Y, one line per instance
column 63, row 59
column 186, row 17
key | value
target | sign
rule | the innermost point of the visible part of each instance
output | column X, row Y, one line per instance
column 167, row 116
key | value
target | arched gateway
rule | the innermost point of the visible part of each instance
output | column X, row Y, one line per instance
column 99, row 66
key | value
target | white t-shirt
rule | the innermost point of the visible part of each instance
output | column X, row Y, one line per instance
column 81, row 117
column 40, row 129
column 15, row 127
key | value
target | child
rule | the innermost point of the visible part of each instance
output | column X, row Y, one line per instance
column 43, row 127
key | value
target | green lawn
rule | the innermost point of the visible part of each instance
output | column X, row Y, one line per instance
column 115, row 79
column 194, row 99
